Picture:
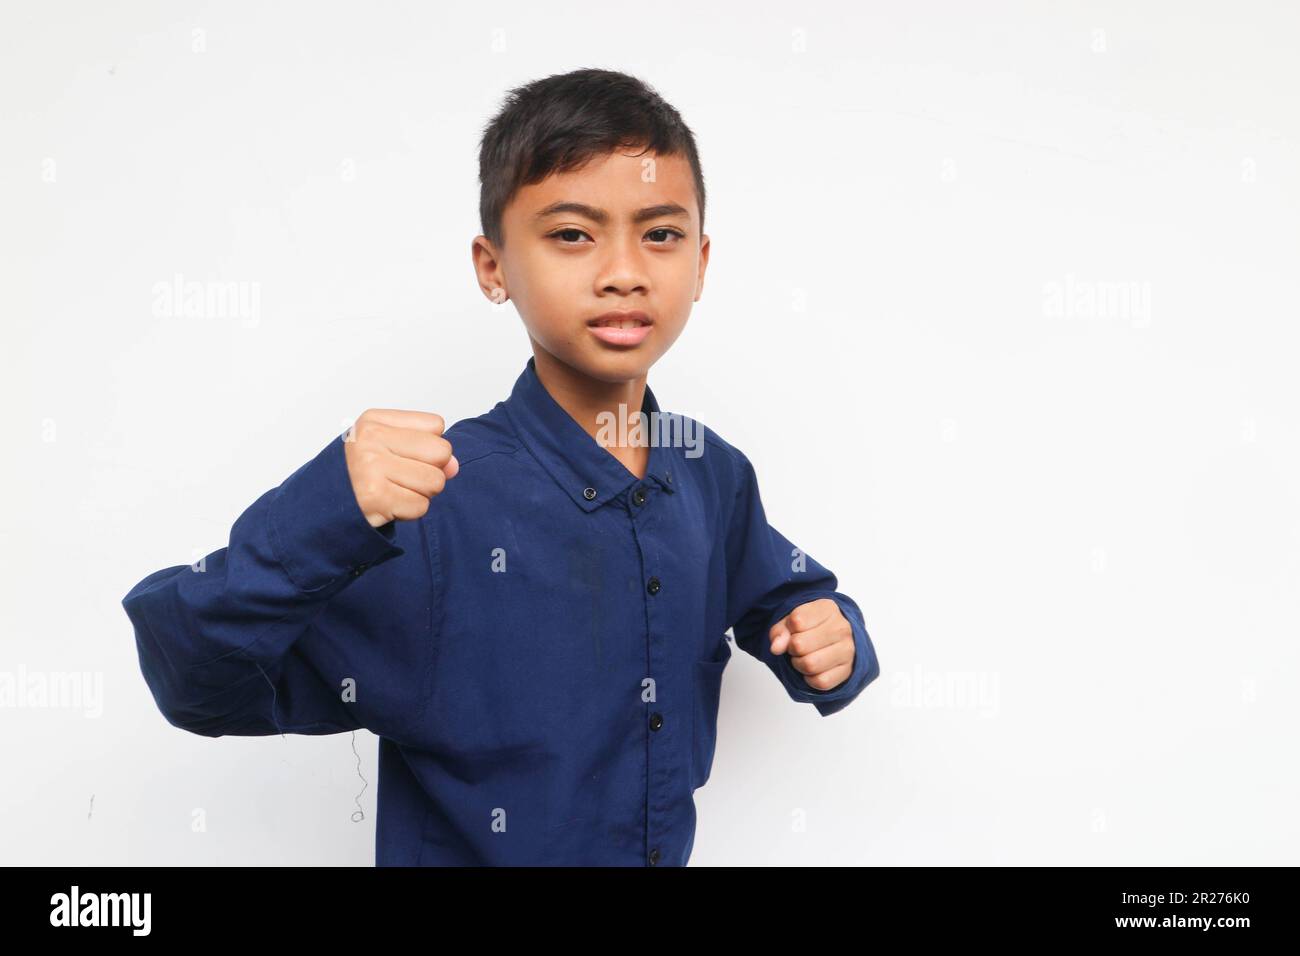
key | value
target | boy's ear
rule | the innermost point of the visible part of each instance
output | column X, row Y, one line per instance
column 487, row 267
column 704, row 264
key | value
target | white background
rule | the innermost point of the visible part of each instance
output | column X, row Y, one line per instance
column 1075, row 537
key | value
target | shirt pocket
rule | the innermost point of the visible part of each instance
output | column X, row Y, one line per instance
column 707, row 694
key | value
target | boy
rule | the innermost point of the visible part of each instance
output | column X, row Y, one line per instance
column 534, row 626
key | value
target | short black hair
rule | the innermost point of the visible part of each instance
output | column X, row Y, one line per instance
column 558, row 123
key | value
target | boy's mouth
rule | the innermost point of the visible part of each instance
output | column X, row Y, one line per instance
column 621, row 328
column 620, row 320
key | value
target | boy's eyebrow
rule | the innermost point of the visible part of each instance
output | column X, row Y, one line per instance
column 602, row 217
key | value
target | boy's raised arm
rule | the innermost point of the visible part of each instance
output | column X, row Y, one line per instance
column 279, row 631
column 767, row 579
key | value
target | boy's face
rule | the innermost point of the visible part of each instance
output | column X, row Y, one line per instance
column 627, row 239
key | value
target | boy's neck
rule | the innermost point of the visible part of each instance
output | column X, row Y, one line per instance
column 585, row 399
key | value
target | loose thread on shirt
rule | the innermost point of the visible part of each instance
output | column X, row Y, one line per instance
column 360, row 814
column 272, row 686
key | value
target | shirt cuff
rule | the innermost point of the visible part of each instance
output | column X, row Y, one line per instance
column 318, row 531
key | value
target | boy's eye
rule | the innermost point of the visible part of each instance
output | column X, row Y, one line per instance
column 568, row 232
column 666, row 231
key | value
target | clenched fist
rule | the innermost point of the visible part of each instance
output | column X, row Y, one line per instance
column 819, row 640
column 397, row 461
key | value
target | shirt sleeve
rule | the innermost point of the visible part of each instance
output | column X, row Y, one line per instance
column 243, row 642
column 767, row 578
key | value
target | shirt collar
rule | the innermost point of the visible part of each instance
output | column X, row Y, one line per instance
column 588, row 473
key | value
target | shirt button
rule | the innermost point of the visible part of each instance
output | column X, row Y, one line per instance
column 588, row 493
column 359, row 569
column 639, row 496
column 653, row 586
column 656, row 721
column 654, row 856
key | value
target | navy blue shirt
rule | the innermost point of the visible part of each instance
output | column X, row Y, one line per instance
column 541, row 654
